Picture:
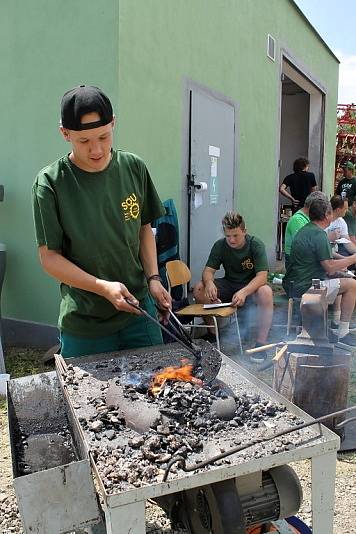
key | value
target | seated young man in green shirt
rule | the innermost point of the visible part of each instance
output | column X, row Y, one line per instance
column 297, row 221
column 311, row 257
column 244, row 260
column 92, row 212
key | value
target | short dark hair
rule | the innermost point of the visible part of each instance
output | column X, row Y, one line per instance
column 319, row 209
column 337, row 202
column 300, row 164
column 233, row 220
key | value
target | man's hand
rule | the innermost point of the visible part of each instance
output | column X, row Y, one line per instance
column 238, row 298
column 211, row 292
column 295, row 202
column 116, row 293
column 162, row 297
column 333, row 235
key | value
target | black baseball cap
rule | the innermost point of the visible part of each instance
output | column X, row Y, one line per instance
column 82, row 100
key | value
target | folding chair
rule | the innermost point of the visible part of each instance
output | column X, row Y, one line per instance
column 178, row 273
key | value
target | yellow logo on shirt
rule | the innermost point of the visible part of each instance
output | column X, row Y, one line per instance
column 247, row 264
column 131, row 207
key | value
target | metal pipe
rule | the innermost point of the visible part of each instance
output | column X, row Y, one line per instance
column 234, row 450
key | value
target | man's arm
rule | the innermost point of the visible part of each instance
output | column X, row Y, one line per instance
column 208, row 279
column 68, row 273
column 148, row 257
column 332, row 266
column 258, row 281
column 283, row 191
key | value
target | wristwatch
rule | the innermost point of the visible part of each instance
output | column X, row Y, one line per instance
column 154, row 277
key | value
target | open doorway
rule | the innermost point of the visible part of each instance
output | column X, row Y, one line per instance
column 301, row 135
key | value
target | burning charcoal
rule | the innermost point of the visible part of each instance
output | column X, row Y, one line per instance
column 136, row 442
column 96, row 426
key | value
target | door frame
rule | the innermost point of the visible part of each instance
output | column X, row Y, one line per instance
column 304, row 73
column 188, row 86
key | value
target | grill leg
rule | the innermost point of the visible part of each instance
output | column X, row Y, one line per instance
column 323, row 492
column 128, row 519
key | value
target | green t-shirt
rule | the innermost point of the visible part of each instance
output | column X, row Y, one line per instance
column 310, row 246
column 240, row 264
column 94, row 219
column 351, row 223
column 294, row 224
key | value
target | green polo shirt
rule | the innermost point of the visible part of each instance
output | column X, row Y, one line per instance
column 351, row 223
column 310, row 246
column 94, row 219
column 295, row 223
column 240, row 264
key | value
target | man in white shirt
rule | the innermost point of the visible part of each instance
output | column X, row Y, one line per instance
column 338, row 227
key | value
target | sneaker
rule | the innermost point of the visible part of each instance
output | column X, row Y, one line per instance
column 347, row 342
column 258, row 357
column 335, row 326
column 333, row 337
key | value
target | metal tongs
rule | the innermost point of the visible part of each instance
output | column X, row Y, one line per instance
column 179, row 335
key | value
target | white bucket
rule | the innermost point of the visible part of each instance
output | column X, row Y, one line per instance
column 4, row 378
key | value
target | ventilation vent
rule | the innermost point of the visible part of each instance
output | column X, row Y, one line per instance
column 271, row 47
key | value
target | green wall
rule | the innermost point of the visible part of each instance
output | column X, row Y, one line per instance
column 140, row 52
column 220, row 44
column 46, row 47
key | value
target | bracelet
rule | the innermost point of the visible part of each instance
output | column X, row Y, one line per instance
column 154, row 277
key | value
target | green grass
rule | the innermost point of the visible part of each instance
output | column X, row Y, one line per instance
column 21, row 361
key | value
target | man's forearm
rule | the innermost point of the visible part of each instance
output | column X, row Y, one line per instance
column 148, row 253
column 285, row 193
column 257, row 282
column 68, row 273
column 332, row 266
column 208, row 275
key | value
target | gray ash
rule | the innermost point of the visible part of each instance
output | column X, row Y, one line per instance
column 190, row 416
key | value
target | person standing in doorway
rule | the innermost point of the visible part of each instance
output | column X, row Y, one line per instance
column 92, row 213
column 300, row 184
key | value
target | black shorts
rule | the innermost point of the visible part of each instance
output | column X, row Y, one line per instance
column 226, row 288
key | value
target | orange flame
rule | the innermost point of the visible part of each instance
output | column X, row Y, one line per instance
column 182, row 374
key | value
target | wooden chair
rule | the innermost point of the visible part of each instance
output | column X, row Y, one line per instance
column 178, row 273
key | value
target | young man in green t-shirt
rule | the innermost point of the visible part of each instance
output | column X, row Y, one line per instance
column 244, row 260
column 92, row 212
column 297, row 221
column 311, row 257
